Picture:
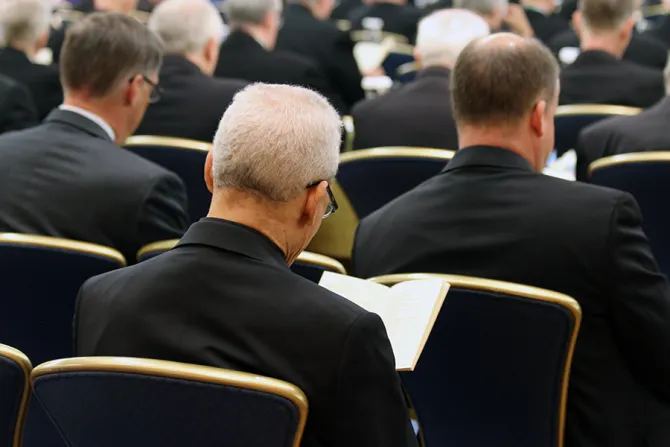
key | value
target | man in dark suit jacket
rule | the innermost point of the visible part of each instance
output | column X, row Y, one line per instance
column 543, row 19
column 419, row 113
column 307, row 33
column 67, row 177
column 247, row 53
column 17, row 110
column 492, row 214
column 598, row 75
column 661, row 32
column 391, row 16
column 192, row 102
column 225, row 296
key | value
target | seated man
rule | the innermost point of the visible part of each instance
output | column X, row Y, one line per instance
column 622, row 134
column 492, row 214
column 391, row 16
column 24, row 27
column 419, row 113
column 543, row 19
column 228, row 288
column 598, row 75
column 247, row 53
column 17, row 110
column 499, row 14
column 192, row 102
column 67, row 177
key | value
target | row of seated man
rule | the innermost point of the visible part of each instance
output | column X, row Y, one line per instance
column 225, row 296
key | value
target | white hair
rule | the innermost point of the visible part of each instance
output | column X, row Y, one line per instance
column 23, row 22
column 250, row 11
column 185, row 26
column 275, row 140
column 485, row 7
column 444, row 34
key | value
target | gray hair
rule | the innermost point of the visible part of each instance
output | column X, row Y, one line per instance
column 443, row 35
column 23, row 22
column 606, row 15
column 250, row 11
column 275, row 140
column 185, row 26
column 485, row 7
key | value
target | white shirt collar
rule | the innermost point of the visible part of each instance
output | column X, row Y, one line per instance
column 91, row 116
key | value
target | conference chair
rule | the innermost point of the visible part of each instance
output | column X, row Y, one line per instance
column 407, row 72
column 644, row 175
column 14, row 390
column 495, row 368
column 130, row 402
column 399, row 55
column 349, row 133
column 571, row 119
column 371, row 178
column 376, row 36
column 186, row 158
column 654, row 14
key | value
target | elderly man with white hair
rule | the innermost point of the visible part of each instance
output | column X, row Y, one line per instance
column 225, row 296
column 24, row 29
column 419, row 113
column 192, row 101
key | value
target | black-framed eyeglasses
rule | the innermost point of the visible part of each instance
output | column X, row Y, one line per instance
column 332, row 203
column 156, row 90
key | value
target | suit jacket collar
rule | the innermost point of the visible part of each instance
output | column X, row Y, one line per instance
column 434, row 72
column 297, row 8
column 80, row 122
column 238, row 238
column 240, row 41
column 487, row 156
column 14, row 56
column 177, row 64
column 595, row 57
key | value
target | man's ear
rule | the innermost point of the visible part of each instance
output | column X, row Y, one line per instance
column 212, row 54
column 417, row 58
column 133, row 89
column 314, row 209
column 537, row 118
column 209, row 176
column 627, row 30
column 577, row 23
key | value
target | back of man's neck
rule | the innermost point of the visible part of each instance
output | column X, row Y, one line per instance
column 258, row 35
column 29, row 52
column 498, row 140
column 604, row 43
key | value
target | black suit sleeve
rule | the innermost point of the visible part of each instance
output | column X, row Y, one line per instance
column 315, row 80
column 639, row 305
column 17, row 110
column 164, row 214
column 590, row 147
column 344, row 71
column 371, row 408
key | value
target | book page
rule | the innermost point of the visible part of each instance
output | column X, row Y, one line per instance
column 416, row 305
column 371, row 296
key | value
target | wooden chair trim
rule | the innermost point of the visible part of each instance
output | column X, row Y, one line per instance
column 636, row 157
column 174, row 370
column 31, row 240
column 326, row 262
column 182, row 143
column 22, row 360
column 157, row 247
column 404, row 49
column 654, row 11
column 399, row 152
column 349, row 132
column 533, row 293
column 596, row 109
column 405, row 69
column 361, row 36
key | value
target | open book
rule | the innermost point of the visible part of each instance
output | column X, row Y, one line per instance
column 408, row 310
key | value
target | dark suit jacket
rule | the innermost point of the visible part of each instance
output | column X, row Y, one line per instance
column 43, row 81
column 326, row 46
column 489, row 215
column 17, row 110
column 545, row 27
column 645, row 132
column 66, row 178
column 344, row 8
column 241, row 57
column 597, row 77
column 192, row 103
column 397, row 19
column 247, row 311
column 660, row 32
column 414, row 114
column 642, row 49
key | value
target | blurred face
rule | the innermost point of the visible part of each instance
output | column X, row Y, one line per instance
column 141, row 91
column 314, row 206
column 323, row 9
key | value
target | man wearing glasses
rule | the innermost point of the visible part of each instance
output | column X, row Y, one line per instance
column 225, row 296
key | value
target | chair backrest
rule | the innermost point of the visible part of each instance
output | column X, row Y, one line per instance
column 186, row 158
column 312, row 265
column 154, row 249
column 571, row 119
column 373, row 177
column 399, row 55
column 645, row 175
column 40, row 278
column 407, row 72
column 14, row 390
column 111, row 402
column 376, row 36
column 654, row 14
column 495, row 368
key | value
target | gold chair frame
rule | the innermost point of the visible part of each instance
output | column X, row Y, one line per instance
column 405, row 69
column 31, row 240
column 181, row 143
column 361, row 36
column 396, row 151
column 343, row 25
column 635, row 157
column 157, row 247
column 654, row 11
column 318, row 260
column 183, row 371
column 596, row 109
column 349, row 132
column 22, row 360
column 402, row 48
column 508, row 288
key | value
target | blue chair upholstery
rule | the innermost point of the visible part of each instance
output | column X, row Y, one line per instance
column 186, row 158
column 571, row 119
column 373, row 177
column 407, row 72
column 644, row 175
column 112, row 402
column 398, row 56
column 14, row 389
column 494, row 371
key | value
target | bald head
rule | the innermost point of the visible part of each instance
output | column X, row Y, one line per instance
column 498, row 80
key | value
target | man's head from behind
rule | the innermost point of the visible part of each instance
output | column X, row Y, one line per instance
column 109, row 66
column 605, row 24
column 505, row 93
column 260, row 18
column 191, row 28
column 443, row 35
column 492, row 11
column 321, row 9
column 25, row 24
column 276, row 149
column 124, row 6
